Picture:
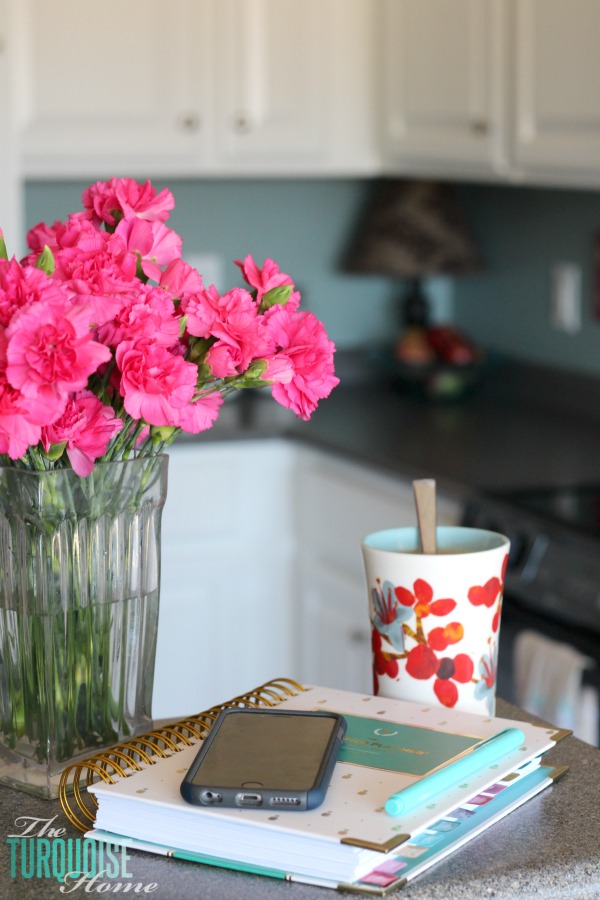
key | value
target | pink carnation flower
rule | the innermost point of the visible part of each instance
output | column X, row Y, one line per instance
column 17, row 432
column 202, row 309
column 201, row 414
column 51, row 352
column 179, row 279
column 93, row 262
column 147, row 314
column 23, row 285
column 87, row 427
column 241, row 335
column 265, row 279
column 110, row 200
column 155, row 384
column 155, row 244
column 304, row 345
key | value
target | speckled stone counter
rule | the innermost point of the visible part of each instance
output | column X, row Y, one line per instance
column 549, row 848
column 521, row 428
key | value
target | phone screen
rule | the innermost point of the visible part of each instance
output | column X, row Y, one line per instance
column 279, row 751
column 266, row 758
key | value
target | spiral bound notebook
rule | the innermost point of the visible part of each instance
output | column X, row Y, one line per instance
column 131, row 792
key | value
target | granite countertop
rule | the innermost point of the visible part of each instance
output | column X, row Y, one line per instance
column 522, row 427
column 549, row 848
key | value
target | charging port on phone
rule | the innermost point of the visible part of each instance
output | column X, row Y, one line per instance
column 248, row 799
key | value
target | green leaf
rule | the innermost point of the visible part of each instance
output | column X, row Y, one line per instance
column 45, row 261
column 55, row 452
column 3, row 250
column 277, row 296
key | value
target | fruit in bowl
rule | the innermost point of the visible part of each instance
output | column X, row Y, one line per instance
column 451, row 346
column 413, row 347
column 438, row 361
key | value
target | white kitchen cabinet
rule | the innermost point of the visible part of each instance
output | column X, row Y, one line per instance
column 444, row 95
column 337, row 504
column 501, row 89
column 208, row 87
column 10, row 187
column 262, row 572
column 557, row 87
column 272, row 90
column 113, row 88
column 226, row 567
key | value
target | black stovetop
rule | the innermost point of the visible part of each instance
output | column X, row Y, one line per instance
column 576, row 507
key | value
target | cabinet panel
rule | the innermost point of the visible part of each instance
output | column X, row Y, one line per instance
column 558, row 85
column 337, row 504
column 121, row 84
column 211, row 87
column 273, row 94
column 226, row 574
column 10, row 187
column 443, row 80
column 336, row 632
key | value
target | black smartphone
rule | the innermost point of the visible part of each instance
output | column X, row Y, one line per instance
column 267, row 758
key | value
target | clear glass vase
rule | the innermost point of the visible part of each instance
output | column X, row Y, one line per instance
column 79, row 595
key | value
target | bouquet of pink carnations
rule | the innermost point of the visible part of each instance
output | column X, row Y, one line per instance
column 111, row 344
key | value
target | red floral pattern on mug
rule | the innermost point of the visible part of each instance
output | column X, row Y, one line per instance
column 422, row 600
column 424, row 660
column 383, row 663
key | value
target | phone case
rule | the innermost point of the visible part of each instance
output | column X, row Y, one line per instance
column 283, row 793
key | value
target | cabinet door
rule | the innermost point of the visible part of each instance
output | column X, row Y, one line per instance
column 226, row 564
column 336, row 629
column 272, row 90
column 558, row 85
column 443, row 72
column 337, row 504
column 112, row 88
column 10, row 188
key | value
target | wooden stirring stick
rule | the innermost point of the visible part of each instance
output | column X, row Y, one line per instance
column 424, row 491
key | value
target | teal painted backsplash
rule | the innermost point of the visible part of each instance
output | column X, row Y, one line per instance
column 305, row 226
column 523, row 233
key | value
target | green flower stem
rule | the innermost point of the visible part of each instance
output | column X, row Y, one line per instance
column 76, row 593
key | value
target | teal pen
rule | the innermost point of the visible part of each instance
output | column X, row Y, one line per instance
column 483, row 754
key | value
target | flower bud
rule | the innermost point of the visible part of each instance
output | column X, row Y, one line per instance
column 45, row 260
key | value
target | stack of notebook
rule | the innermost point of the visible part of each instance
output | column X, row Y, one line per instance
column 348, row 841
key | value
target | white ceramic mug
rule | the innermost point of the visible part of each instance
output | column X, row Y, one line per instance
column 436, row 617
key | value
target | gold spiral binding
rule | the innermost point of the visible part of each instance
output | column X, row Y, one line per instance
column 129, row 757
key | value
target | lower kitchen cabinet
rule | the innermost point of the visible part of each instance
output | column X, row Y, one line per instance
column 225, row 621
column 262, row 570
column 338, row 503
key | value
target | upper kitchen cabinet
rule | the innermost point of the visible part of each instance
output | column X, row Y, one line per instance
column 443, row 75
column 557, row 89
column 504, row 90
column 222, row 87
column 10, row 199
column 295, row 85
column 113, row 88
